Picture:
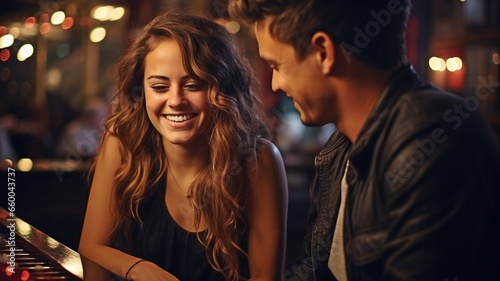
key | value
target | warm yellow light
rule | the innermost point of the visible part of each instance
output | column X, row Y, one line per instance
column 52, row 243
column 23, row 228
column 459, row 63
column 25, row 52
column 437, row 64
column 6, row 41
column 454, row 64
column 98, row 34
column 57, row 17
column 25, row 164
column 433, row 63
column 232, row 27
column 15, row 31
column 102, row 13
column 116, row 14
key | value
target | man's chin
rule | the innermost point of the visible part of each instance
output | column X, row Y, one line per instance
column 309, row 122
column 304, row 119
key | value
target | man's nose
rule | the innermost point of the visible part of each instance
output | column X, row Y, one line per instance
column 274, row 81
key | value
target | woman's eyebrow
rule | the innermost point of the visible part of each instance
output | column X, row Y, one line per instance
column 158, row 77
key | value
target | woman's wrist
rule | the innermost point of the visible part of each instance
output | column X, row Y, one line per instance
column 132, row 266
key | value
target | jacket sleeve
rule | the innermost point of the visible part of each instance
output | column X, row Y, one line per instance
column 302, row 267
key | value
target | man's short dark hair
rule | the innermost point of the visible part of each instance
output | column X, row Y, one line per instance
column 373, row 31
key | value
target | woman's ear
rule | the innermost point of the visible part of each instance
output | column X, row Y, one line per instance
column 324, row 49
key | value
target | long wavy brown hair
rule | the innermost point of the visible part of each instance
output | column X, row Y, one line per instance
column 210, row 54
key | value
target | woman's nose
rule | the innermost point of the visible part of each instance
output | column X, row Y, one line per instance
column 175, row 97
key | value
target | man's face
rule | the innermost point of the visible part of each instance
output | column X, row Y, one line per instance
column 301, row 80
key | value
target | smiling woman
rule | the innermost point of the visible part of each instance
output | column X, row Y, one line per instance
column 185, row 185
column 176, row 104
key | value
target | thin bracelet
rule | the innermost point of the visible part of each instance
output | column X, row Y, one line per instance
column 128, row 271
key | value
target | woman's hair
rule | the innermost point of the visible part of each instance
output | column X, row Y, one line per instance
column 210, row 54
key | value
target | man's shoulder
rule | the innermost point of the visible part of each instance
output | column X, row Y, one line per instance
column 429, row 107
column 432, row 114
column 426, row 99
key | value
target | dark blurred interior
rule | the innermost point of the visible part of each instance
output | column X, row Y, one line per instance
column 57, row 73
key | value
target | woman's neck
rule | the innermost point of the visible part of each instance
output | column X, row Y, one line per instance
column 190, row 159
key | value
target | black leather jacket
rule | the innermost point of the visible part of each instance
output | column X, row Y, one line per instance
column 324, row 206
column 423, row 199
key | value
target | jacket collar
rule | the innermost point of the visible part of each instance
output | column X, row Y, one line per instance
column 403, row 80
column 336, row 140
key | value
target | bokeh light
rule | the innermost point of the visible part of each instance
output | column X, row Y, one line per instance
column 4, row 55
column 97, row 34
column 67, row 23
column 29, row 22
column 57, row 17
column 496, row 58
column 25, row 52
column 437, row 64
column 25, row 164
column 6, row 41
column 45, row 28
column 116, row 14
column 454, row 64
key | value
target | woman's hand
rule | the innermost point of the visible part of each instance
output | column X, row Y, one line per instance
column 148, row 271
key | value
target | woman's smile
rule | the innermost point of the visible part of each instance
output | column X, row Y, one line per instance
column 179, row 118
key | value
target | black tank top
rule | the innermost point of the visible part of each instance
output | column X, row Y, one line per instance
column 165, row 243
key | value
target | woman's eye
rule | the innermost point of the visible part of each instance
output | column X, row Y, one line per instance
column 194, row 86
column 160, row 88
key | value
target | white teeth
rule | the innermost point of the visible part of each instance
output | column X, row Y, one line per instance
column 179, row 118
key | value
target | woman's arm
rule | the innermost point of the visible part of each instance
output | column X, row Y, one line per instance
column 98, row 257
column 267, row 214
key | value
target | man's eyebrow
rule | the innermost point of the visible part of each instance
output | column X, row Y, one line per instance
column 269, row 61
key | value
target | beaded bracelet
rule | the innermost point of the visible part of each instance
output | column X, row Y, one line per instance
column 136, row 263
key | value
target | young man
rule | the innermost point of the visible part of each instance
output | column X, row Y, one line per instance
column 416, row 196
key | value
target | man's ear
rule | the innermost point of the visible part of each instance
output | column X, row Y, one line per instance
column 324, row 49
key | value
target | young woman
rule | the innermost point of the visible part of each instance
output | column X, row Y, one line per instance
column 185, row 185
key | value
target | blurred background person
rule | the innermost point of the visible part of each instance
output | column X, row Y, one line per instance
column 81, row 137
column 7, row 151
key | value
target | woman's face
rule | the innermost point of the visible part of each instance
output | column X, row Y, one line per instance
column 176, row 103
